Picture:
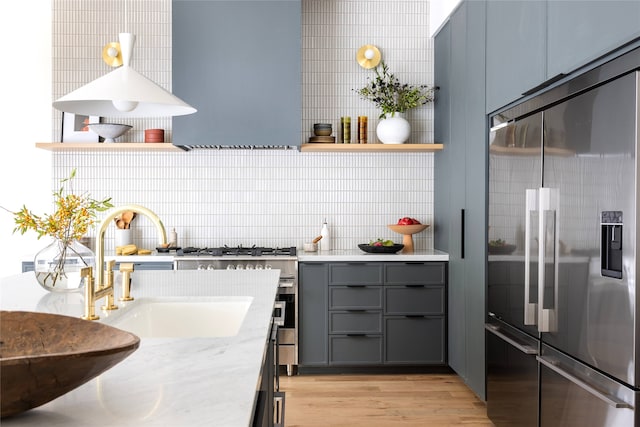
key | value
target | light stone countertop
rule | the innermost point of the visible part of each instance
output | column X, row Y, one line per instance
column 358, row 255
column 167, row 381
column 321, row 256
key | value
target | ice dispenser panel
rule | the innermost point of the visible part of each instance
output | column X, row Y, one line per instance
column 611, row 247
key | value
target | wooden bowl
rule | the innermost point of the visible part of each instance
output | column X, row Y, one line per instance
column 407, row 232
column 47, row 355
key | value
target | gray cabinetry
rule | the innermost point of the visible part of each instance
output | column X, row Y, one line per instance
column 239, row 64
column 580, row 31
column 516, row 49
column 521, row 45
column 414, row 313
column 372, row 314
column 355, row 335
column 414, row 300
column 415, row 340
column 531, row 43
column 459, row 184
column 313, row 306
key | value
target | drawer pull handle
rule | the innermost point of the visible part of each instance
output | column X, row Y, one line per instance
column 414, row 286
column 414, row 316
column 355, row 286
column 356, row 335
column 612, row 401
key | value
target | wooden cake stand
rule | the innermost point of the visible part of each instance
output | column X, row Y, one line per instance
column 407, row 232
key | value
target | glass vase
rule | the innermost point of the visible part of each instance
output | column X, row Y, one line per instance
column 58, row 265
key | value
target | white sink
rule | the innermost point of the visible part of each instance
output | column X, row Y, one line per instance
column 182, row 317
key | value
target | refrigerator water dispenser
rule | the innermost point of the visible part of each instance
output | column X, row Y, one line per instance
column 611, row 247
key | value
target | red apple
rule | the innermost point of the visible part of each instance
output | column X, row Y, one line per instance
column 405, row 221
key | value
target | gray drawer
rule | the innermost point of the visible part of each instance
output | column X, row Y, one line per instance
column 414, row 300
column 427, row 273
column 355, row 273
column 364, row 322
column 355, row 297
column 355, row 350
column 415, row 340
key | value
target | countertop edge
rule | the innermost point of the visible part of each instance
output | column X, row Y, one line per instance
column 359, row 256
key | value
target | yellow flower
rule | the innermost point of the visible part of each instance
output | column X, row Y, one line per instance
column 73, row 217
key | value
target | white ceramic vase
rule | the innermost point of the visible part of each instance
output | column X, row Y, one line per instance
column 393, row 130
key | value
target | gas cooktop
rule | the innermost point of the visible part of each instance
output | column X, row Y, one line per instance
column 254, row 251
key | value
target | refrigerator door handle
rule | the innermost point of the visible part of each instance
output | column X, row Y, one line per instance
column 526, row 349
column 609, row 400
column 530, row 308
column 548, row 199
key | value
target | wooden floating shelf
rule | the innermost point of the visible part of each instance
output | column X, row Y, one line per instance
column 167, row 147
column 108, row 146
column 371, row 148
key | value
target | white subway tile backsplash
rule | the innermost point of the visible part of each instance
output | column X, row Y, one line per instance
column 262, row 197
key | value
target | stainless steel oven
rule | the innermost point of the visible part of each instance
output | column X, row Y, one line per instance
column 286, row 306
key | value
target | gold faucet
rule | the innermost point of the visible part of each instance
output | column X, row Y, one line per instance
column 95, row 290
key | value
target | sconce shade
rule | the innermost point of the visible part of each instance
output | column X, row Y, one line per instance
column 123, row 93
column 368, row 56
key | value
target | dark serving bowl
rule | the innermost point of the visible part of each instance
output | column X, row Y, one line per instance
column 501, row 250
column 380, row 249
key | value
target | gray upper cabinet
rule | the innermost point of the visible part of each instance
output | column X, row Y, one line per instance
column 580, row 31
column 531, row 44
column 516, row 55
column 239, row 64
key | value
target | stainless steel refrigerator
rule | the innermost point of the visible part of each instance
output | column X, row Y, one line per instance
column 562, row 302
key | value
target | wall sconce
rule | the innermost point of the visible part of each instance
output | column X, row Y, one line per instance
column 112, row 55
column 368, row 56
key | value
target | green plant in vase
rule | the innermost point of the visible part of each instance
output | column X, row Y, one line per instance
column 391, row 96
column 394, row 99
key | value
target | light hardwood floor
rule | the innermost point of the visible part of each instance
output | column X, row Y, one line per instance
column 432, row 400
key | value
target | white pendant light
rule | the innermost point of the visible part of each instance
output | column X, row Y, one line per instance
column 123, row 93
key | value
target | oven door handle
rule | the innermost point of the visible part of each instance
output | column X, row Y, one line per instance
column 279, row 305
column 286, row 282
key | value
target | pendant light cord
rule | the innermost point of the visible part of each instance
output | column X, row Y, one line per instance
column 126, row 16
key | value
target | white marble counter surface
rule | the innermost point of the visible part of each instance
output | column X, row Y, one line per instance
column 166, row 382
column 153, row 257
column 358, row 255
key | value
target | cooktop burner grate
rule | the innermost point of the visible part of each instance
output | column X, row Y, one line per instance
column 255, row 251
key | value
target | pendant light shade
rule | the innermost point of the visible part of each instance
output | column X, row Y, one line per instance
column 123, row 93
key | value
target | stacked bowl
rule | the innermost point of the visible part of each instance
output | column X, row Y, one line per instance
column 322, row 133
